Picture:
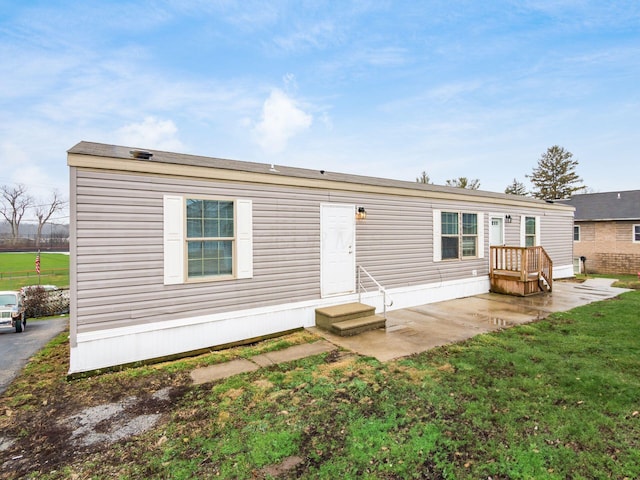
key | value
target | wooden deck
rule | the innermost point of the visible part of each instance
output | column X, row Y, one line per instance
column 520, row 270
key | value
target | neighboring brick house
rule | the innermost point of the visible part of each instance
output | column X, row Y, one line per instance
column 607, row 231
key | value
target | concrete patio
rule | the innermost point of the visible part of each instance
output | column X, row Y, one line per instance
column 417, row 329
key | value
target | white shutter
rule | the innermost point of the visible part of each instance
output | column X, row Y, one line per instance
column 173, row 211
column 523, row 230
column 480, row 235
column 244, row 239
column 437, row 233
column 538, row 229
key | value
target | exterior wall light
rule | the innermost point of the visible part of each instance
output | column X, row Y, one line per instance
column 508, row 218
column 361, row 213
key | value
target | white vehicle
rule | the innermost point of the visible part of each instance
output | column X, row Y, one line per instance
column 12, row 312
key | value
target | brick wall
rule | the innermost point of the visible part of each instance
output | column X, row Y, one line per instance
column 616, row 263
column 609, row 247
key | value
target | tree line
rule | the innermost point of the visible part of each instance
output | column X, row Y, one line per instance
column 553, row 178
column 15, row 202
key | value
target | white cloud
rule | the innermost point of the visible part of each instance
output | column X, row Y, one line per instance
column 22, row 169
column 281, row 120
column 152, row 132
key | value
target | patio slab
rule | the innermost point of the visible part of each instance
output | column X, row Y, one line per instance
column 417, row 329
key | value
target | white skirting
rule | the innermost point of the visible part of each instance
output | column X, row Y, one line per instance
column 563, row 271
column 118, row 346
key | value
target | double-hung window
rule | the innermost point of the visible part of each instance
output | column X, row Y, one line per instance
column 469, row 234
column 457, row 235
column 636, row 233
column 530, row 232
column 450, row 235
column 210, row 237
column 576, row 233
column 207, row 239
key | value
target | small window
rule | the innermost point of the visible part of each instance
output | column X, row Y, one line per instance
column 450, row 235
column 576, row 233
column 636, row 233
column 530, row 232
column 459, row 229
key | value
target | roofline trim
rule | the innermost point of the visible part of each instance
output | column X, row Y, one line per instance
column 94, row 162
column 625, row 219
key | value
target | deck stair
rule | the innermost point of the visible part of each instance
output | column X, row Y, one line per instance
column 520, row 270
column 349, row 319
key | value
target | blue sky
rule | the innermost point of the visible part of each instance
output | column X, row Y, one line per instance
column 456, row 88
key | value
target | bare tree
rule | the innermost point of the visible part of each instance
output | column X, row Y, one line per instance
column 423, row 178
column 464, row 182
column 44, row 211
column 14, row 203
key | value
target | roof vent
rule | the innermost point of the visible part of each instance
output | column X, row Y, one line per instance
column 141, row 154
column 618, row 196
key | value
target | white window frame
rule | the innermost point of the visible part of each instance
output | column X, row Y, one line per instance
column 523, row 230
column 576, row 229
column 175, row 241
column 635, row 233
column 437, row 235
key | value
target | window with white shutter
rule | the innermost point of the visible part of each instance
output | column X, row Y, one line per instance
column 207, row 239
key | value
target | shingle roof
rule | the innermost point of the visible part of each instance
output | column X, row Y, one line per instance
column 623, row 205
column 121, row 152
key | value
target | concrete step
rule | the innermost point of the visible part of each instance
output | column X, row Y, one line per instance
column 327, row 316
column 347, row 328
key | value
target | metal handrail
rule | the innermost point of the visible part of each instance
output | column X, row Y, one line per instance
column 381, row 289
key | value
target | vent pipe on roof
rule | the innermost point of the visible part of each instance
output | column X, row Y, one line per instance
column 141, row 154
column 618, row 196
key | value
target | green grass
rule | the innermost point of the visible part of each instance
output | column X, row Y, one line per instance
column 18, row 270
column 553, row 399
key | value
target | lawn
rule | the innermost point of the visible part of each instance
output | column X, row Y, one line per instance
column 553, row 399
column 18, row 270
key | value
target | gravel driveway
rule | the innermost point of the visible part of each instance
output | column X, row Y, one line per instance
column 17, row 348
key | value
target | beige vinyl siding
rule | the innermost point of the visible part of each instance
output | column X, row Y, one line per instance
column 395, row 242
column 119, row 246
column 556, row 236
column 120, row 254
column 512, row 230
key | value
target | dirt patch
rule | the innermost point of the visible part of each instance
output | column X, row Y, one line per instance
column 283, row 468
column 111, row 422
column 65, row 430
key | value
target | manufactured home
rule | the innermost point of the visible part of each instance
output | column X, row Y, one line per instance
column 174, row 253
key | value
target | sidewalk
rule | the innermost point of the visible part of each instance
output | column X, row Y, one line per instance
column 417, row 329
column 243, row 365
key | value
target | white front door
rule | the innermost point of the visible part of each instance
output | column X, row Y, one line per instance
column 337, row 249
column 496, row 234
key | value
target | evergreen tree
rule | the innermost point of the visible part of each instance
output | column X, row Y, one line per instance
column 464, row 182
column 516, row 188
column 423, row 178
column 555, row 175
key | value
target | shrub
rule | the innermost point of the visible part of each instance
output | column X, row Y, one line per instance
column 40, row 302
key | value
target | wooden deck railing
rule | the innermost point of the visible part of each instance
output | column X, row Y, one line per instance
column 526, row 264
